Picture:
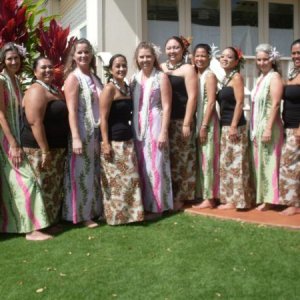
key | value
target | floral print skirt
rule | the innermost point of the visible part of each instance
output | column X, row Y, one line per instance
column 289, row 177
column 51, row 179
column 120, row 185
column 183, row 163
column 235, row 180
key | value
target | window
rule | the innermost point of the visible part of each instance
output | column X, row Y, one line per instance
column 281, row 26
column 205, row 21
column 162, row 20
column 244, row 19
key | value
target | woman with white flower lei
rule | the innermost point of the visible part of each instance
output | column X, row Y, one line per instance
column 21, row 199
column 289, row 176
column 266, row 127
column 152, row 107
column 82, row 90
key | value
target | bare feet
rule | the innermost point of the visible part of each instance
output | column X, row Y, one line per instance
column 207, row 203
column 226, row 206
column 290, row 211
column 90, row 224
column 38, row 236
column 264, row 207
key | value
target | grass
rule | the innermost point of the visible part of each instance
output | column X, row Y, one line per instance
column 178, row 257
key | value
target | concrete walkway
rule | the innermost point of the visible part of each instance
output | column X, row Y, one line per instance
column 267, row 218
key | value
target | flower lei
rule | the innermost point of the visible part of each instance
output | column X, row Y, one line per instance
column 228, row 78
column 124, row 91
column 293, row 73
column 15, row 113
column 174, row 67
column 138, row 91
column 50, row 88
column 87, row 95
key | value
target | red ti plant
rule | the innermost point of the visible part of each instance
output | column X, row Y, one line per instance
column 53, row 43
column 13, row 27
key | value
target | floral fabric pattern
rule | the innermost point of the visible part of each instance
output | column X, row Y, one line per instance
column 235, row 180
column 120, row 184
column 183, row 163
column 289, row 183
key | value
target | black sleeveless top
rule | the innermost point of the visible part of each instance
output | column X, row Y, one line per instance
column 179, row 97
column 119, row 120
column 291, row 106
column 56, row 125
column 227, row 104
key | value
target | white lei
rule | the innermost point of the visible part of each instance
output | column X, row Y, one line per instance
column 88, row 96
column 140, row 132
column 15, row 114
column 259, row 100
column 200, row 104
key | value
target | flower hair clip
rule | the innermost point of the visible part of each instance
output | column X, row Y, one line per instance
column 21, row 50
column 274, row 54
column 241, row 58
column 157, row 50
column 214, row 51
column 186, row 41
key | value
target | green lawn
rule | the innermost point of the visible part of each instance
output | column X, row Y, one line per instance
column 178, row 257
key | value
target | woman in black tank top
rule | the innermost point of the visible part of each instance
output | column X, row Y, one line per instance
column 44, row 135
column 120, row 180
column 289, row 176
column 184, row 84
column 235, row 188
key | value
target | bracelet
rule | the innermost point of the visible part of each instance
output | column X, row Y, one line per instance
column 186, row 125
column 204, row 126
column 45, row 152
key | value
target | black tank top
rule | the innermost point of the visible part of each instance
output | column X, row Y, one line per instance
column 179, row 97
column 119, row 120
column 56, row 125
column 291, row 106
column 227, row 104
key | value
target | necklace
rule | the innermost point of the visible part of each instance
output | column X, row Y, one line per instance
column 125, row 91
column 173, row 67
column 227, row 78
column 50, row 88
column 293, row 73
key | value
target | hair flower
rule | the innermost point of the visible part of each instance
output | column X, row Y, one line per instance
column 157, row 50
column 214, row 50
column 274, row 54
column 186, row 41
column 240, row 57
column 21, row 50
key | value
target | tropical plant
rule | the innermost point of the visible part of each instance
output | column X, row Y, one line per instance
column 53, row 43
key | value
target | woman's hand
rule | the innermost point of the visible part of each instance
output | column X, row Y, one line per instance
column 106, row 150
column 267, row 135
column 46, row 158
column 203, row 135
column 77, row 145
column 233, row 134
column 15, row 154
column 186, row 131
column 162, row 140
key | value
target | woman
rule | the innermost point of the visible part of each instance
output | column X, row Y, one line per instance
column 207, row 129
column 22, row 204
column 82, row 88
column 266, row 127
column 184, row 83
column 289, row 176
column 119, row 170
column 235, row 187
column 44, row 135
column 152, row 107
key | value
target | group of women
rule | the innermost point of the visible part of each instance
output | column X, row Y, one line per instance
column 128, row 151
